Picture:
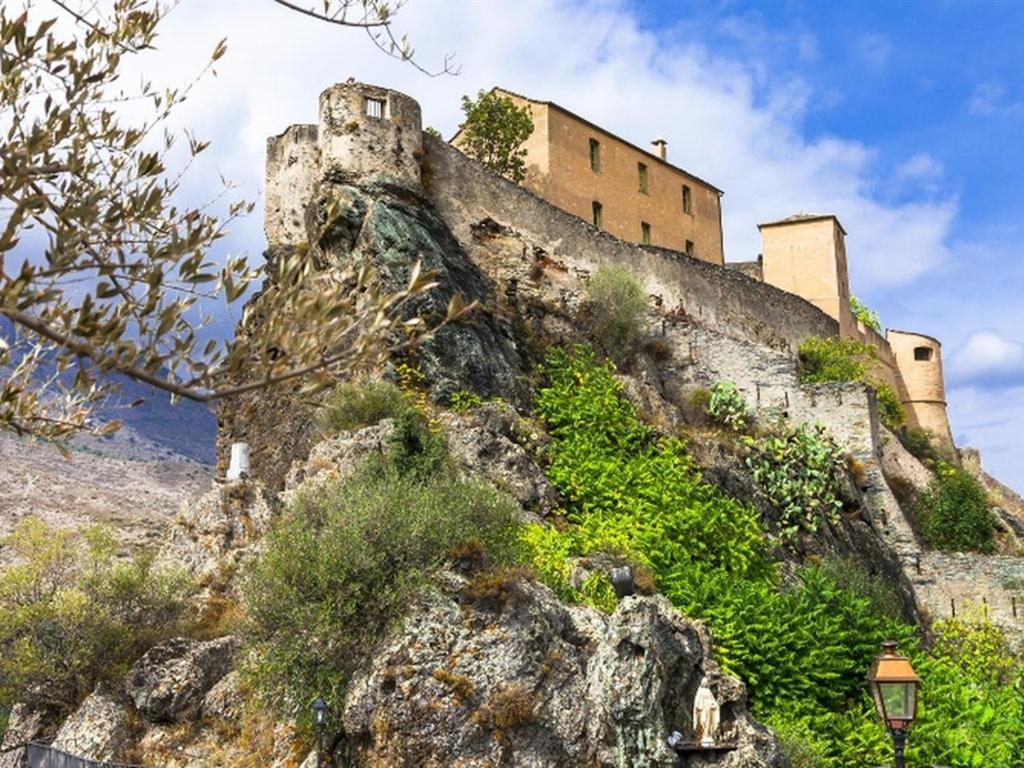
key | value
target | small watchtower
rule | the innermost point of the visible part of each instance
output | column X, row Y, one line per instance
column 364, row 134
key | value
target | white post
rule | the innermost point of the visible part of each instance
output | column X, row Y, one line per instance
column 239, row 466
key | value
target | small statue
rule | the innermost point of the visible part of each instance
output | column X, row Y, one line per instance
column 705, row 715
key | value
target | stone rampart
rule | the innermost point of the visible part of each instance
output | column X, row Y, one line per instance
column 465, row 193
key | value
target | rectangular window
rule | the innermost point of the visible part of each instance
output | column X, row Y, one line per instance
column 645, row 233
column 689, row 247
column 687, row 200
column 922, row 353
column 595, row 155
column 641, row 177
column 374, row 108
column 596, row 207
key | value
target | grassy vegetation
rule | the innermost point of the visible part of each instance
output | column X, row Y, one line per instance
column 802, row 646
column 953, row 513
column 617, row 303
column 345, row 562
column 71, row 614
column 358, row 404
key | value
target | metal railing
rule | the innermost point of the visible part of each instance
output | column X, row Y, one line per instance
column 45, row 756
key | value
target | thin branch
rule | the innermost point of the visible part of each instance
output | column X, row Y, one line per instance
column 332, row 20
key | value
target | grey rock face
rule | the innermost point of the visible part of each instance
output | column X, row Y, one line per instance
column 24, row 725
column 482, row 443
column 100, row 729
column 170, row 681
column 519, row 679
column 217, row 530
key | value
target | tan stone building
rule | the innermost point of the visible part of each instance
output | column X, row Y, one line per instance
column 805, row 254
column 632, row 193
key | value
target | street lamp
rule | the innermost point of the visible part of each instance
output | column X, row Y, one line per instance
column 894, row 687
column 319, row 712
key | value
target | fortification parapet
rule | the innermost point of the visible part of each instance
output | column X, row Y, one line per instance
column 367, row 132
column 919, row 359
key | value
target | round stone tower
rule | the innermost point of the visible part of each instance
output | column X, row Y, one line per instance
column 919, row 360
column 368, row 133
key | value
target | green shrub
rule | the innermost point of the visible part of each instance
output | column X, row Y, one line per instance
column 953, row 513
column 838, row 359
column 798, row 470
column 865, row 314
column 617, row 303
column 919, row 443
column 890, row 409
column 727, row 407
column 834, row 359
column 71, row 614
column 494, row 131
column 343, row 564
column 356, row 404
column 804, row 649
column 414, row 448
column 629, row 490
column 463, row 401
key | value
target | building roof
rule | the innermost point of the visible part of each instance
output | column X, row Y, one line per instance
column 797, row 218
column 606, row 132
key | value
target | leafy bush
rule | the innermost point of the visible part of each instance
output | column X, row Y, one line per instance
column 629, row 490
column 838, row 359
column 890, row 409
column 953, row 514
column 344, row 562
column 463, row 401
column 413, row 448
column 834, row 359
column 617, row 306
column 727, row 407
column 71, row 614
column 798, row 470
column 358, row 404
column 919, row 443
column 865, row 314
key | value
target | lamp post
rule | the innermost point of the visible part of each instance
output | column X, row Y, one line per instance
column 319, row 712
column 894, row 687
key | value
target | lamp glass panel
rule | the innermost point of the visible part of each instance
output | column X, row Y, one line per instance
column 898, row 699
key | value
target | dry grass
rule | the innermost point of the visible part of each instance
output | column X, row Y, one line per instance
column 507, row 707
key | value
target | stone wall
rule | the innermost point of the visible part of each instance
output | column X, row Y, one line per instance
column 466, row 194
column 952, row 584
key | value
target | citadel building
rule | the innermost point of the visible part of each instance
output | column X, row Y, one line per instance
column 418, row 197
column 629, row 192
column 639, row 197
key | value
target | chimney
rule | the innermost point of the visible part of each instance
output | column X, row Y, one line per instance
column 660, row 148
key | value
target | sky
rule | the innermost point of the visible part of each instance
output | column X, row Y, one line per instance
column 903, row 119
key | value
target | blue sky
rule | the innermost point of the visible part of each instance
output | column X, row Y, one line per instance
column 903, row 119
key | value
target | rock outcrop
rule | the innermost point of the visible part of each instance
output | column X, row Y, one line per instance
column 100, row 729
column 169, row 682
column 507, row 675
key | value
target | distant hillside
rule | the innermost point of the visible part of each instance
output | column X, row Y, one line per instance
column 152, row 429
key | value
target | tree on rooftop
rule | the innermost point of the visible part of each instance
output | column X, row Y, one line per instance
column 494, row 132
column 104, row 269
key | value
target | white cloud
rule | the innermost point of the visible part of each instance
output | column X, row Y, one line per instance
column 920, row 167
column 990, row 98
column 987, row 357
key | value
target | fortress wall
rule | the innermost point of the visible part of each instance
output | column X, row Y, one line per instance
column 465, row 193
column 951, row 583
column 293, row 164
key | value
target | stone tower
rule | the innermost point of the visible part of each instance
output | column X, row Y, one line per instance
column 365, row 134
column 806, row 255
column 919, row 360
